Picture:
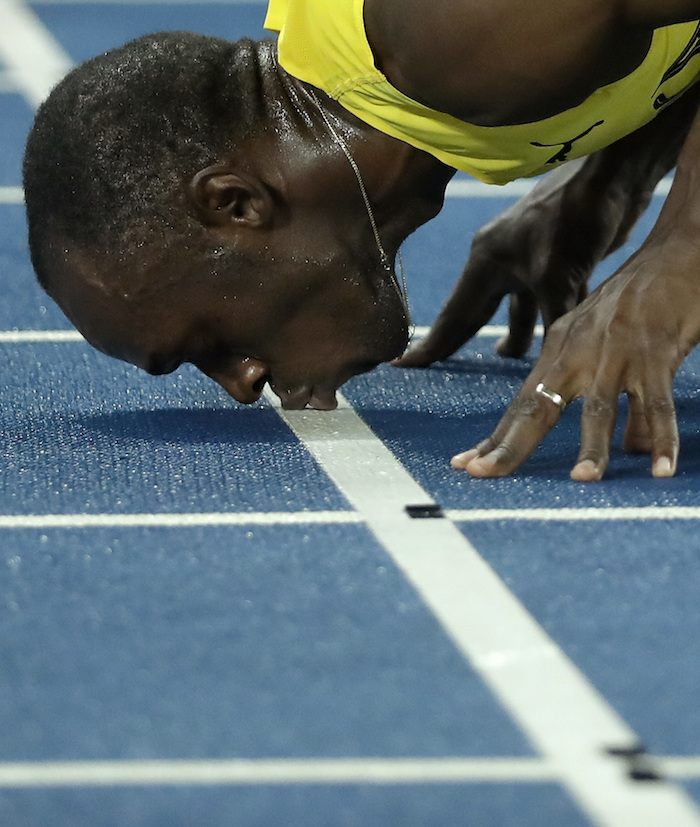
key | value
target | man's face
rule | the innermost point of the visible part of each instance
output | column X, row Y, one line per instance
column 304, row 324
column 298, row 299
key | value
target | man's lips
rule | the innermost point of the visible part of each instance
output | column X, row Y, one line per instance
column 317, row 398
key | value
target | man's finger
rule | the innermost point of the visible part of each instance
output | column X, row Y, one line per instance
column 529, row 419
column 637, row 437
column 652, row 427
column 597, row 425
column 470, row 306
column 444, row 338
column 522, row 317
column 660, row 412
column 560, row 297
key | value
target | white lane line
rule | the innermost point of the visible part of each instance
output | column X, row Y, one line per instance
column 455, row 189
column 276, row 771
column 11, row 195
column 470, row 188
column 648, row 512
column 30, row 52
column 28, row 336
column 566, row 719
column 46, row 521
column 489, row 330
column 20, row 336
column 467, row 188
column 15, row 521
column 679, row 766
column 302, row 771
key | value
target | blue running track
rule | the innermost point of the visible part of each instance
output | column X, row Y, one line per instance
column 224, row 616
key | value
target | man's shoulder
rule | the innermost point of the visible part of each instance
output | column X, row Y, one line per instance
column 489, row 61
column 495, row 62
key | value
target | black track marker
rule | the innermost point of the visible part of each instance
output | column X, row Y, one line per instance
column 422, row 512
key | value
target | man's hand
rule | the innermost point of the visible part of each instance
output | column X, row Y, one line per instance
column 629, row 336
column 541, row 252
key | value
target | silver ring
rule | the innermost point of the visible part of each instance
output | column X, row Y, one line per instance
column 553, row 396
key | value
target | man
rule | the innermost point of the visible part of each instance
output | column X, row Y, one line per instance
column 193, row 200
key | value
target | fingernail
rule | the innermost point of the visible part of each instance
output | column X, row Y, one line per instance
column 480, row 466
column 662, row 467
column 586, row 471
column 463, row 459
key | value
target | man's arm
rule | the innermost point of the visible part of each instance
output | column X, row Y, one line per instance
column 659, row 12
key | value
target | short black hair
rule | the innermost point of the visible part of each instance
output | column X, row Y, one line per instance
column 115, row 141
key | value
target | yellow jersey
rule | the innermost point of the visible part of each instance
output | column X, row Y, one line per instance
column 324, row 43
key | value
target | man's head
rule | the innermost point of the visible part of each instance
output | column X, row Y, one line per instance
column 184, row 205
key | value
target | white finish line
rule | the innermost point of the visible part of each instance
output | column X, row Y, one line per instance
column 567, row 720
column 280, row 771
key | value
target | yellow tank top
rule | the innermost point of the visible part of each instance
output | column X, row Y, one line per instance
column 323, row 42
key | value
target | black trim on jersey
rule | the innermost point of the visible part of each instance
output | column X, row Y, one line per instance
column 689, row 52
column 566, row 146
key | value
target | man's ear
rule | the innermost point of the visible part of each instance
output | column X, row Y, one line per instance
column 224, row 196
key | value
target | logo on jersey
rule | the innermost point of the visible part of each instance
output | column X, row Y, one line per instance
column 691, row 50
column 566, row 146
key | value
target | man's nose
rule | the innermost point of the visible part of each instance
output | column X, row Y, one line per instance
column 244, row 380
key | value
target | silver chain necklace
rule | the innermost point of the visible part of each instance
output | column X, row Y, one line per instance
column 386, row 264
